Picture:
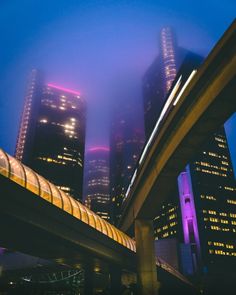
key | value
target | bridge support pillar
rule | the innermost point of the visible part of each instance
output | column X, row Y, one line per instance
column 146, row 260
column 115, row 280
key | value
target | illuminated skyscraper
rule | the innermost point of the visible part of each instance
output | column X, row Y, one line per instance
column 168, row 48
column 27, row 124
column 52, row 134
column 213, row 186
column 158, row 79
column 96, row 194
column 203, row 215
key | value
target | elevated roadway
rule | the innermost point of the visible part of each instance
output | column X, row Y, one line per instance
column 195, row 112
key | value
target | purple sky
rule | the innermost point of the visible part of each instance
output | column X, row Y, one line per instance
column 86, row 45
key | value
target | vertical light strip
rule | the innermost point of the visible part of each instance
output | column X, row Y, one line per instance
column 168, row 56
column 20, row 145
column 185, row 86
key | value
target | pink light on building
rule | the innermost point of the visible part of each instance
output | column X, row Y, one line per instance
column 188, row 212
column 99, row 148
column 63, row 89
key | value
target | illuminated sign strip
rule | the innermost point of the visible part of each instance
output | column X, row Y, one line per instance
column 63, row 89
column 99, row 148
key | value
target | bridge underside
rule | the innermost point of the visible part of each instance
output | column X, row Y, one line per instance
column 31, row 225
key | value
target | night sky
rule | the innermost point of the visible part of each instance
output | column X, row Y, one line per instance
column 86, row 45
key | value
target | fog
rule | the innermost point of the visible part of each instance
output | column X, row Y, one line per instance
column 100, row 48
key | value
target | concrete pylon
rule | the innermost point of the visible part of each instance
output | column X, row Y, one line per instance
column 147, row 273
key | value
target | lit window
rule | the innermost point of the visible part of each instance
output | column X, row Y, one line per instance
column 43, row 121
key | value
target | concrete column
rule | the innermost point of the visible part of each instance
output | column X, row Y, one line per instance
column 115, row 280
column 146, row 260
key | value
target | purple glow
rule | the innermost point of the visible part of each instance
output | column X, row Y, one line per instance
column 63, row 89
column 99, row 148
column 189, row 219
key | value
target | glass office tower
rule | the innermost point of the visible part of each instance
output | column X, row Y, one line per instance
column 96, row 194
column 52, row 134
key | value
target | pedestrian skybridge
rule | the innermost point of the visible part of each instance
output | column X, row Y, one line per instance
column 27, row 178
column 39, row 219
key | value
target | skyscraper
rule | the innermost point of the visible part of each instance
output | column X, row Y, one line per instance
column 126, row 143
column 153, row 95
column 96, row 193
column 213, row 222
column 169, row 56
column 52, row 134
column 203, row 217
column 158, row 78
column 28, row 121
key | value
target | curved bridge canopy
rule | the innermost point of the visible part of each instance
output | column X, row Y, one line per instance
column 24, row 176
